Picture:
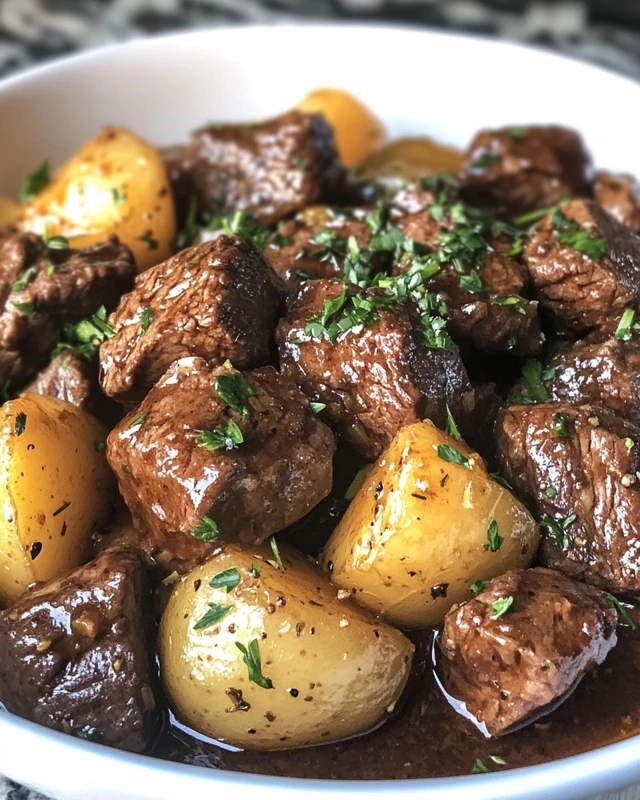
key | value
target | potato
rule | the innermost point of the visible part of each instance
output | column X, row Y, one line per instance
column 410, row 158
column 9, row 210
column 358, row 132
column 55, row 488
column 116, row 183
column 327, row 670
column 421, row 529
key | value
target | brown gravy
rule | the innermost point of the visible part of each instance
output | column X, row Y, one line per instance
column 430, row 739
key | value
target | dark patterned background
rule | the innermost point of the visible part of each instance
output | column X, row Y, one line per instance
column 605, row 31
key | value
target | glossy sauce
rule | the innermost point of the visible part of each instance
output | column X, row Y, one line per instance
column 429, row 738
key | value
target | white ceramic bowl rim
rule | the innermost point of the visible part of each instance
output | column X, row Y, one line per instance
column 608, row 768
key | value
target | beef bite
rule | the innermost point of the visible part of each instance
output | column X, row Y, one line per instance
column 366, row 357
column 44, row 286
column 578, row 468
column 516, row 650
column 517, row 169
column 220, row 300
column 619, row 195
column 273, row 168
column 585, row 266
column 214, row 454
column 74, row 656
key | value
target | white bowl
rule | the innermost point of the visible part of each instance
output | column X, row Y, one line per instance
column 419, row 82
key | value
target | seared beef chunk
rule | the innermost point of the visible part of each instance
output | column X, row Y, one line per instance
column 211, row 449
column 579, row 470
column 376, row 376
column 511, row 666
column 518, row 169
column 73, row 653
column 620, row 196
column 42, row 289
column 273, row 168
column 219, row 300
column 599, row 369
column 585, row 266
column 316, row 243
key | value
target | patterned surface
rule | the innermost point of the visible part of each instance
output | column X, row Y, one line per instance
column 605, row 31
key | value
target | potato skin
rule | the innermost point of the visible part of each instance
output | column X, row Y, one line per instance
column 55, row 488
column 335, row 671
column 116, row 183
column 413, row 538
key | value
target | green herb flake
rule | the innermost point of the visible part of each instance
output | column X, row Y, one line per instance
column 627, row 326
column 51, row 270
column 233, row 390
column 149, row 241
column 216, row 613
column 24, row 280
column 345, row 313
column 479, row 586
column 126, row 469
column 28, row 309
column 584, row 242
column 222, row 437
column 512, row 301
column 254, row 570
column 484, row 160
column 560, row 426
column 551, row 492
column 624, row 613
column 54, row 242
column 500, row 607
column 559, row 528
column 85, row 336
column 277, row 563
column 502, row 481
column 300, row 162
column 453, row 456
column 534, row 389
column 251, row 657
column 471, row 282
column 479, row 767
column 20, row 423
column 118, row 197
column 35, row 182
column 227, row 580
column 245, row 226
column 317, row 407
column 206, row 531
column 146, row 318
column 517, row 132
column 629, row 443
column 356, row 483
column 452, row 428
column 494, row 539
column 99, row 446
column 140, row 419
column 191, row 230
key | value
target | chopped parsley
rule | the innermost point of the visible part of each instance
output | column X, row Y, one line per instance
column 140, row 419
column 452, row 428
column 191, row 230
column 99, row 446
column 301, row 162
column 222, row 437
column 149, row 241
column 216, row 613
column 627, row 326
column 227, row 580
column 551, row 492
column 54, row 242
column 479, row 767
column 317, row 407
column 245, row 226
column 578, row 238
column 517, row 132
column 484, row 160
column 344, row 313
column 233, row 390
column 626, row 616
column 35, row 182
column 251, row 657
column 495, row 541
column 479, row 586
column 24, row 280
column 85, row 336
column 206, row 531
column 20, row 424
column 118, row 197
column 277, row 562
column 471, row 282
column 146, row 318
column 560, row 426
column 629, row 443
column 450, row 454
column 502, row 481
column 356, row 483
column 28, row 309
column 501, row 606
column 533, row 383
column 254, row 570
column 512, row 300
column 559, row 528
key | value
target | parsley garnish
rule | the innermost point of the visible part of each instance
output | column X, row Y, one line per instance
column 559, row 528
column 560, row 426
column 629, row 443
column 277, row 563
column 233, row 390
column 254, row 570
column 356, row 483
column 533, row 384
column 551, row 492
column 216, row 613
column 251, row 657
column 479, row 767
column 85, row 336
column 471, row 282
column 99, row 446
column 317, row 407
column 301, row 162
column 580, row 239
column 346, row 312
column 227, row 580
column 623, row 612
column 191, row 230
column 243, row 225
column 479, row 586
column 20, row 423
column 495, row 540
column 627, row 326
column 24, row 280
column 207, row 531
column 512, row 300
column 516, row 132
column 35, row 182
column 452, row 428
column 484, row 160
column 54, row 242
column 222, row 437
column 140, row 419
column 28, row 309
column 151, row 243
column 501, row 606
column 118, row 196
column 502, row 481
column 447, row 453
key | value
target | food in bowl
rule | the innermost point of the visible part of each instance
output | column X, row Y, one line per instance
column 371, row 409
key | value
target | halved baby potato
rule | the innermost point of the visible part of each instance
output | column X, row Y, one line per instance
column 357, row 130
column 266, row 658
column 410, row 158
column 55, row 489
column 427, row 522
column 9, row 210
column 116, row 183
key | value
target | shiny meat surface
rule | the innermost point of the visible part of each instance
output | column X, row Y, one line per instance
column 171, row 478
column 619, row 195
column 507, row 666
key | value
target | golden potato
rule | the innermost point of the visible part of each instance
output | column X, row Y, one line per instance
column 358, row 132
column 410, row 158
column 9, row 210
column 422, row 528
column 55, row 488
column 116, row 183
column 275, row 660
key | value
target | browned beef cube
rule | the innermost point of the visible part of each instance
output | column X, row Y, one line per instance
column 43, row 288
column 374, row 377
column 510, row 668
column 600, row 369
column 585, row 266
column 579, row 470
column 274, row 168
column 250, row 460
column 220, row 300
column 619, row 195
column 74, row 655
column 316, row 242
column 68, row 377
column 517, row 169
